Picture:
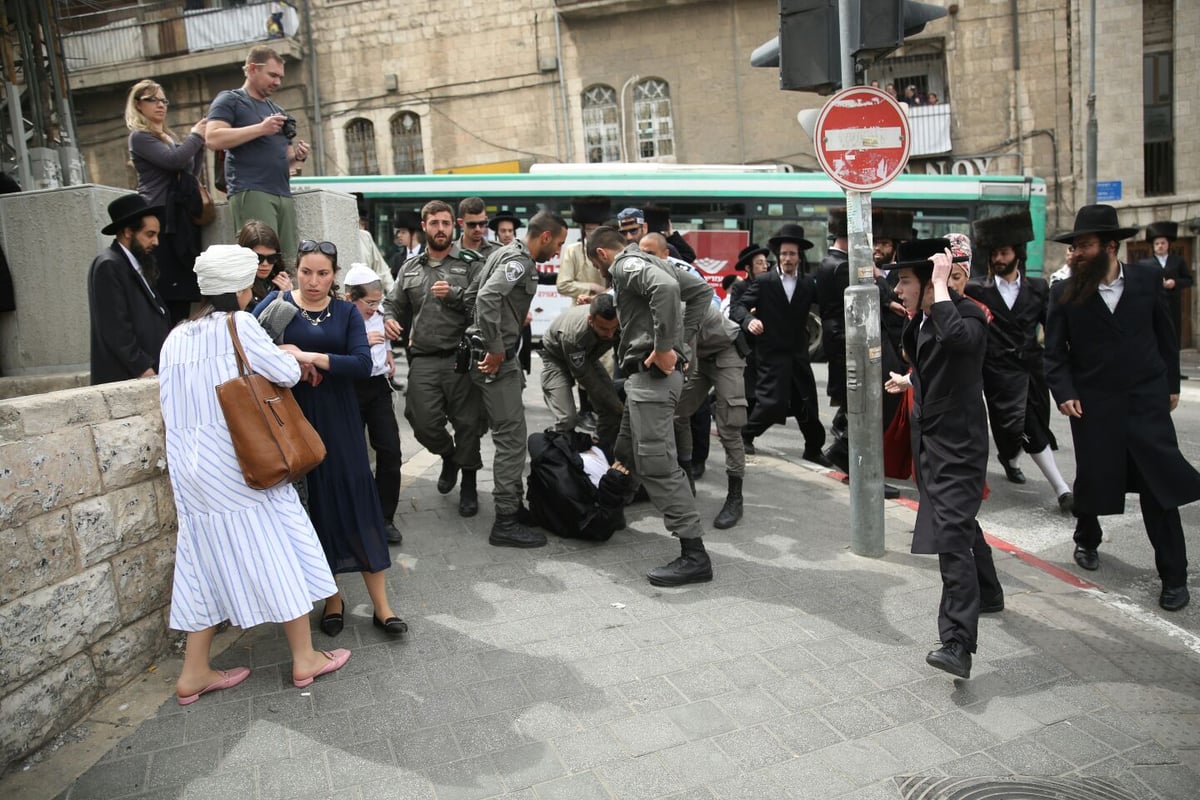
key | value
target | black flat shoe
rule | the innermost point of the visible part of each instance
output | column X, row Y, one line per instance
column 1066, row 502
column 1087, row 558
column 951, row 657
column 393, row 534
column 332, row 624
column 992, row 606
column 393, row 625
column 1012, row 472
column 818, row 458
column 891, row 492
column 1174, row 599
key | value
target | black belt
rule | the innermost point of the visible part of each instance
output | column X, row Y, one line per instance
column 436, row 353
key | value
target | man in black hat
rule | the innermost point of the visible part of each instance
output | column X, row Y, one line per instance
column 577, row 277
column 774, row 311
column 752, row 260
column 129, row 321
column 1176, row 274
column 945, row 340
column 1014, row 377
column 505, row 225
column 658, row 220
column 1112, row 362
column 831, row 280
column 407, row 242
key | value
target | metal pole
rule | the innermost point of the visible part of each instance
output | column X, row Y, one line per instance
column 1093, row 127
column 864, row 384
column 318, row 121
column 844, row 34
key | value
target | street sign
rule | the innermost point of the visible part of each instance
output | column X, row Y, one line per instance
column 862, row 138
column 1108, row 191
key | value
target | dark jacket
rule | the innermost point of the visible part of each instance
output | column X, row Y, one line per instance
column 832, row 278
column 949, row 423
column 1177, row 270
column 129, row 321
column 562, row 498
column 1121, row 366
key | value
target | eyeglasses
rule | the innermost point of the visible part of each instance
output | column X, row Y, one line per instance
column 480, row 224
column 374, row 304
column 326, row 248
column 270, row 258
column 158, row 101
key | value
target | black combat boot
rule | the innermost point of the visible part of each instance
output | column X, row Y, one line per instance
column 731, row 512
column 468, row 498
column 692, row 566
column 448, row 476
column 508, row 532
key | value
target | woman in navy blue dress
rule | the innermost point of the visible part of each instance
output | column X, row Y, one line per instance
column 342, row 499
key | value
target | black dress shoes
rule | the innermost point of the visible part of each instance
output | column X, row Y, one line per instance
column 951, row 657
column 891, row 492
column 818, row 458
column 1066, row 502
column 1087, row 558
column 992, row 605
column 332, row 624
column 1012, row 472
column 393, row 534
column 393, row 625
column 448, row 476
column 1174, row 599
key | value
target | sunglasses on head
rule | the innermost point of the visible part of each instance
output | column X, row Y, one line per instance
column 326, row 248
column 269, row 258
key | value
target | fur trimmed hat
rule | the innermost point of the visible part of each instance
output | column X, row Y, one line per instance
column 658, row 218
column 837, row 222
column 1006, row 230
column 891, row 223
column 590, row 210
column 1169, row 230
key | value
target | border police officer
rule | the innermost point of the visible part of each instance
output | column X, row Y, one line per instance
column 572, row 351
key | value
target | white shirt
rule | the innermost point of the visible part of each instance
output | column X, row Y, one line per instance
column 595, row 464
column 789, row 283
column 1009, row 289
column 1111, row 293
column 379, row 364
column 1162, row 261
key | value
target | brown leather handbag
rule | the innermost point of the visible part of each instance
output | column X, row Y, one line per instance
column 273, row 440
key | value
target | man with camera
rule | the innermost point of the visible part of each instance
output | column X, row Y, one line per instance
column 261, row 148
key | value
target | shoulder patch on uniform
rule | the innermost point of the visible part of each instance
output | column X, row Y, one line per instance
column 577, row 358
column 632, row 265
column 514, row 270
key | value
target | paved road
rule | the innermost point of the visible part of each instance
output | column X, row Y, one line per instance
column 560, row 673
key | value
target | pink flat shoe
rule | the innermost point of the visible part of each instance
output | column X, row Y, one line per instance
column 229, row 679
column 337, row 660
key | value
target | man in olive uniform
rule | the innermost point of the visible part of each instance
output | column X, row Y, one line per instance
column 431, row 290
column 649, row 292
column 473, row 221
column 501, row 296
column 572, row 349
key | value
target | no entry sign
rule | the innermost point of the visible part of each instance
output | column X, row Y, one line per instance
column 862, row 138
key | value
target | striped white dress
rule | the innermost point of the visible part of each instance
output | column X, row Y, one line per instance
column 242, row 554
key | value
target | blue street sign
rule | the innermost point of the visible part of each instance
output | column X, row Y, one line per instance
column 1108, row 191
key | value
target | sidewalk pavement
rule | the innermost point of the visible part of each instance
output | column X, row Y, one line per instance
column 561, row 673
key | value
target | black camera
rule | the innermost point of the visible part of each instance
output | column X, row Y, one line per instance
column 289, row 127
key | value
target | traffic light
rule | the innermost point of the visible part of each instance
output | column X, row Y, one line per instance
column 808, row 50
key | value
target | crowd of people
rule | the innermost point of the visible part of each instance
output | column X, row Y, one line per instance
column 633, row 376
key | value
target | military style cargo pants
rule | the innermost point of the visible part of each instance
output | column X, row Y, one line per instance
column 725, row 373
column 558, row 386
column 506, row 420
column 437, row 394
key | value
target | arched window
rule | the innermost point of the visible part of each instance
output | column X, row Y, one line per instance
column 601, row 124
column 408, row 152
column 360, row 147
column 652, row 115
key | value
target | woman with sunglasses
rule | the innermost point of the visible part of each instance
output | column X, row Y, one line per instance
column 168, row 170
column 343, row 501
column 271, row 275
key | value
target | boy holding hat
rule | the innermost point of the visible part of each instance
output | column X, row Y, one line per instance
column 1112, row 363
column 945, row 340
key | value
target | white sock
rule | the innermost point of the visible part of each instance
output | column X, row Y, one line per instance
column 1045, row 462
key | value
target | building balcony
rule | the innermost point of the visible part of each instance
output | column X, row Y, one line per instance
column 929, row 127
column 124, row 44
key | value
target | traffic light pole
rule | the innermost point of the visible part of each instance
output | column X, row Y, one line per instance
column 864, row 372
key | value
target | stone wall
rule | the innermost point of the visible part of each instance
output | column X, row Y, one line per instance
column 87, row 526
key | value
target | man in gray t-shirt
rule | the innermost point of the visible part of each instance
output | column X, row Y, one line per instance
column 259, row 154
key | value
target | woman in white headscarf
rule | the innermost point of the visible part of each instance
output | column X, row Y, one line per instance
column 245, row 555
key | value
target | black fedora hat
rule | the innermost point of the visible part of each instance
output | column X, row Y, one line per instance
column 915, row 255
column 408, row 220
column 1099, row 220
column 128, row 210
column 504, row 215
column 747, row 254
column 1166, row 230
column 790, row 232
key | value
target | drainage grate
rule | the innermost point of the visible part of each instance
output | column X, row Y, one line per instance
column 918, row 787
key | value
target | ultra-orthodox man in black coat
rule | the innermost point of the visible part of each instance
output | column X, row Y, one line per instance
column 1176, row 273
column 1120, row 370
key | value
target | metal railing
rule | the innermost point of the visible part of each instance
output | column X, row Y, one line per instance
column 136, row 33
column 929, row 127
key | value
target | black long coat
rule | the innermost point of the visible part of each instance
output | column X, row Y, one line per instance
column 781, row 350
column 949, row 423
column 1121, row 366
column 129, row 321
column 1014, row 373
column 1177, row 270
column 832, row 278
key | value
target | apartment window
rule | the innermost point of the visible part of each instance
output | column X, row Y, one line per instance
column 360, row 147
column 1158, row 140
column 652, row 116
column 601, row 124
column 408, row 152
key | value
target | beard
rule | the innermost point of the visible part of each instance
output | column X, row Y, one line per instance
column 1086, row 276
column 145, row 259
column 884, row 257
column 439, row 241
column 1003, row 268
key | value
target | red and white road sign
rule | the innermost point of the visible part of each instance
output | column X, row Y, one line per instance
column 862, row 138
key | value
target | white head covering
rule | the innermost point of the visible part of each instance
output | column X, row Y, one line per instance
column 359, row 274
column 225, row 268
